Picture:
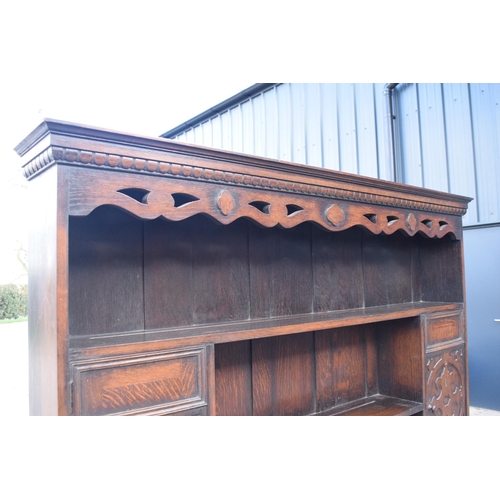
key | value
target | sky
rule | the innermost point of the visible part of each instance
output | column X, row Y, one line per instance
column 98, row 66
column 146, row 67
column 128, row 106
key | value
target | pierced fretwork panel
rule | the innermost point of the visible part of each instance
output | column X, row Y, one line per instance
column 176, row 199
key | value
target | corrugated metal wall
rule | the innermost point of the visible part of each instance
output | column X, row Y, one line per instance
column 327, row 125
column 447, row 135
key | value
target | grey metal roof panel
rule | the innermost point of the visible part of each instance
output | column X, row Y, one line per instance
column 236, row 99
column 447, row 135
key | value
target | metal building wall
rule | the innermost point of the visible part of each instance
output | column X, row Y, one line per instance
column 326, row 125
column 449, row 139
column 447, row 135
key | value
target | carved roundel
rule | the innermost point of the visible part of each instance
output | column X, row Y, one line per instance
column 335, row 215
column 226, row 203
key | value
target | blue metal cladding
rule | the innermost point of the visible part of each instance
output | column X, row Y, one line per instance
column 446, row 135
column 459, row 145
column 484, row 99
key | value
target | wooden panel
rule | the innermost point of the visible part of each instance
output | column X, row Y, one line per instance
column 265, row 327
column 400, row 359
column 105, row 273
column 233, row 378
column 387, row 269
column 445, row 383
column 47, row 311
column 157, row 382
column 340, row 366
column 201, row 411
column 338, row 270
column 220, row 271
column 416, row 293
column 281, row 281
column 283, row 375
column 371, row 340
column 168, row 281
column 440, row 275
column 377, row 406
column 442, row 328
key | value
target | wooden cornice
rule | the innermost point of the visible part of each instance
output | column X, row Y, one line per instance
column 238, row 185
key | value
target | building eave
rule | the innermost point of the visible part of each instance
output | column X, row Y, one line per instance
column 224, row 105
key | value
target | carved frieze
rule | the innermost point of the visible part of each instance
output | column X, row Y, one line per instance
column 177, row 199
column 125, row 163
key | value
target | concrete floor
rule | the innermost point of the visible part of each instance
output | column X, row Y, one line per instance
column 14, row 373
column 483, row 412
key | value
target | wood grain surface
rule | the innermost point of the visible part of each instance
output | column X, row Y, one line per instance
column 167, row 278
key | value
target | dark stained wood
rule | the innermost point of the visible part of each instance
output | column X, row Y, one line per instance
column 268, row 327
column 371, row 344
column 90, row 147
column 233, row 378
column 443, row 328
column 445, row 382
column 387, row 270
column 377, row 406
column 400, row 362
column 281, row 282
column 340, row 366
column 283, row 375
column 440, row 270
column 200, row 411
column 220, row 271
column 210, row 378
column 416, row 294
column 178, row 199
column 47, row 311
column 105, row 273
column 168, row 274
column 159, row 382
column 176, row 279
column 338, row 270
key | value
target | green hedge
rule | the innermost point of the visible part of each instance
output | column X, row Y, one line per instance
column 13, row 301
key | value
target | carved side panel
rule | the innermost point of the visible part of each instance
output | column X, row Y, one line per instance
column 445, row 383
column 156, row 383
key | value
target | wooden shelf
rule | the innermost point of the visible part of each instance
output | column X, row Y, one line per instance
column 267, row 327
column 377, row 406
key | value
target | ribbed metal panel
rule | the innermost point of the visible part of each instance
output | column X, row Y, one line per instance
column 329, row 126
column 384, row 169
column 246, row 110
column 432, row 136
column 284, row 121
column 297, row 123
column 447, row 135
column 485, row 124
column 347, row 128
column 407, row 124
column 459, row 145
column 312, row 125
column 366, row 129
column 333, row 126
